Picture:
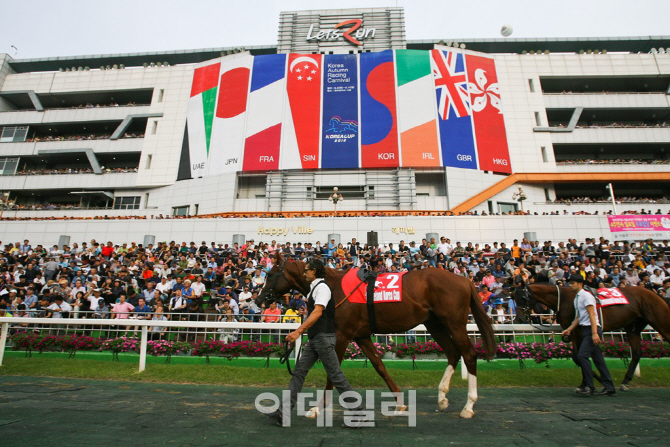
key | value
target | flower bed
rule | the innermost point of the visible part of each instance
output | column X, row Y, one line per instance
column 354, row 352
column 236, row 349
column 539, row 352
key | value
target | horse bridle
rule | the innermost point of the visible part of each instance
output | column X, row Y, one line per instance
column 271, row 290
column 530, row 303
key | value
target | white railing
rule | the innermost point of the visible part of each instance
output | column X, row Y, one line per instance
column 501, row 330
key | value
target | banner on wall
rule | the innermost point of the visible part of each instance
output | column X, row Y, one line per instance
column 340, row 122
column 639, row 227
column 392, row 108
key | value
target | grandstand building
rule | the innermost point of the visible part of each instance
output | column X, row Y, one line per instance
column 342, row 99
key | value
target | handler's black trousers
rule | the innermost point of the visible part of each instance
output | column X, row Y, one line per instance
column 321, row 346
column 587, row 350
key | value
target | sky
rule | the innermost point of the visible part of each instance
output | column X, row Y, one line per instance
column 47, row 28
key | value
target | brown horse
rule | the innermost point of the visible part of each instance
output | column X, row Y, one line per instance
column 438, row 299
column 645, row 308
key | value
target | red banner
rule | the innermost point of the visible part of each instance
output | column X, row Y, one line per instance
column 303, row 83
column 261, row 151
column 205, row 78
column 487, row 115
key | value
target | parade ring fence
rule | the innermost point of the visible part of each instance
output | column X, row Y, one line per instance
column 205, row 327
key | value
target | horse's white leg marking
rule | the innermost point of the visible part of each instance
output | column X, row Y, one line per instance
column 443, row 389
column 468, row 410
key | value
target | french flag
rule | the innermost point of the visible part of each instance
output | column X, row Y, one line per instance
column 264, row 113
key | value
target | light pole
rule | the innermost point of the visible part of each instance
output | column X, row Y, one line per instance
column 611, row 190
column 519, row 197
column 335, row 197
column 5, row 203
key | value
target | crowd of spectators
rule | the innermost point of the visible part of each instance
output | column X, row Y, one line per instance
column 617, row 161
column 73, row 171
column 638, row 124
column 293, row 214
column 111, row 104
column 184, row 280
column 80, row 137
column 586, row 199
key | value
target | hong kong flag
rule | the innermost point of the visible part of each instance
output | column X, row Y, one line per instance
column 487, row 114
column 303, row 84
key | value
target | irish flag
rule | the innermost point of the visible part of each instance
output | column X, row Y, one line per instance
column 416, row 109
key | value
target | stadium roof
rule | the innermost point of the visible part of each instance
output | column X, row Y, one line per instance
column 493, row 46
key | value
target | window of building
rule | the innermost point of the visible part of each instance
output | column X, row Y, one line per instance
column 180, row 210
column 504, row 207
column 127, row 203
column 348, row 192
column 251, row 186
column 8, row 166
column 13, row 134
column 430, row 184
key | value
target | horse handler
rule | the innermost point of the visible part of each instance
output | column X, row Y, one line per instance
column 587, row 319
column 320, row 327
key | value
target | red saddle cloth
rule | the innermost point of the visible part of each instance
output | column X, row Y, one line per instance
column 388, row 287
column 611, row 297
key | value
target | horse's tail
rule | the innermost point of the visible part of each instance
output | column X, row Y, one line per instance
column 483, row 323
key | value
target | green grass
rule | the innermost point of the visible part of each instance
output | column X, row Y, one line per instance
column 250, row 372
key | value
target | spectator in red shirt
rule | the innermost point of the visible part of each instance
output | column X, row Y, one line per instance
column 484, row 294
column 272, row 314
column 108, row 250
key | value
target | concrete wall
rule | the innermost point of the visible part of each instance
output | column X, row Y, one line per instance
column 391, row 229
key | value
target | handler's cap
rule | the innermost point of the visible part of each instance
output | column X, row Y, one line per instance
column 576, row 278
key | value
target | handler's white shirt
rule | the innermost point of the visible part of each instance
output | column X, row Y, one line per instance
column 322, row 294
column 582, row 300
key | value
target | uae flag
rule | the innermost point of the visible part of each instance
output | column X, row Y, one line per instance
column 199, row 117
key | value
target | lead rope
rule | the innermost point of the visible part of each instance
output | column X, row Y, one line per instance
column 288, row 348
column 558, row 307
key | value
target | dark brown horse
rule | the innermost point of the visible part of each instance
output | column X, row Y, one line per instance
column 645, row 308
column 438, row 299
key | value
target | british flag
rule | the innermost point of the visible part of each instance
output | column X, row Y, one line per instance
column 451, row 83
